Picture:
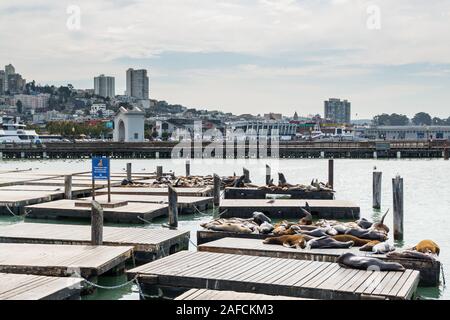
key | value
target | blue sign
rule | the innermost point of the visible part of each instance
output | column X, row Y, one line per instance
column 100, row 168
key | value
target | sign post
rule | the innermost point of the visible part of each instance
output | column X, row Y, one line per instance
column 101, row 171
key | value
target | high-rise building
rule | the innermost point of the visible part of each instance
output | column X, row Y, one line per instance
column 16, row 84
column 104, row 86
column 9, row 70
column 2, row 81
column 338, row 111
column 137, row 84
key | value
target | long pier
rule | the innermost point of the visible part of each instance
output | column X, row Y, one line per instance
column 429, row 269
column 273, row 276
column 287, row 149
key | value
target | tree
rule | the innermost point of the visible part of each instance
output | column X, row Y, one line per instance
column 19, row 107
column 391, row 120
column 421, row 119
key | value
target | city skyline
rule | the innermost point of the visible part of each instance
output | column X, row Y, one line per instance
column 253, row 57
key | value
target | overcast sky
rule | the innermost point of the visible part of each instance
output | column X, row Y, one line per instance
column 247, row 56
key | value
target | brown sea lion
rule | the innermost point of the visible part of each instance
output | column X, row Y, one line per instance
column 427, row 246
column 297, row 241
column 307, row 219
column 380, row 226
column 367, row 234
column 357, row 242
column 350, row 260
column 410, row 254
column 231, row 227
column 369, row 246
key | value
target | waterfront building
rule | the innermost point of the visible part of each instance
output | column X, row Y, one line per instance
column 104, row 86
column 406, row 132
column 129, row 125
column 34, row 102
column 286, row 130
column 137, row 84
column 338, row 111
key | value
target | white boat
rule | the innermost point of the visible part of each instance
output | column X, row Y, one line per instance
column 12, row 131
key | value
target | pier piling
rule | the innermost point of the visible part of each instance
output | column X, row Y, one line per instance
column 247, row 175
column 331, row 173
column 68, row 187
column 377, row 178
column 129, row 171
column 159, row 171
column 188, row 168
column 268, row 175
column 216, row 190
column 173, row 209
column 96, row 224
column 397, row 188
column 446, row 154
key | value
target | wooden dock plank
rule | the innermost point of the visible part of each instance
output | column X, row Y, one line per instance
column 60, row 260
column 429, row 270
column 148, row 244
column 290, row 208
column 204, row 294
column 252, row 276
column 192, row 192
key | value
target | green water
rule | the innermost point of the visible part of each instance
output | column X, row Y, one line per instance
column 427, row 199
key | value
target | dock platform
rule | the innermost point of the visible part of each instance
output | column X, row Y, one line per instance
column 62, row 260
column 257, row 193
column 188, row 192
column 31, row 287
column 130, row 213
column 429, row 270
column 204, row 294
column 273, row 276
column 148, row 244
column 186, row 205
column 283, row 209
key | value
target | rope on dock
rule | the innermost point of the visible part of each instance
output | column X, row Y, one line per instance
column 443, row 275
column 190, row 240
column 202, row 213
column 142, row 219
column 109, row 287
column 223, row 212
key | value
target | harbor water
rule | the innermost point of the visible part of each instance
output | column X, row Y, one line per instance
column 426, row 196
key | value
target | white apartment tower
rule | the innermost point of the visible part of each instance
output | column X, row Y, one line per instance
column 104, row 86
column 137, row 84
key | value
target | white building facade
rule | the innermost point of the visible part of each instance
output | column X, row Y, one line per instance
column 129, row 125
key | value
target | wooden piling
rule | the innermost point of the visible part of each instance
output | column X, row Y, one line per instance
column 159, row 171
column 446, row 154
column 188, row 168
column 397, row 188
column 216, row 190
column 268, row 174
column 247, row 175
column 173, row 209
column 68, row 187
column 331, row 173
column 377, row 178
column 96, row 224
column 129, row 171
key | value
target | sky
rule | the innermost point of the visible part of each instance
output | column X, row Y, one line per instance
column 247, row 56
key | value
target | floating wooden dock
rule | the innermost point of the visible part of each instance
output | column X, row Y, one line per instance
column 186, row 205
column 429, row 270
column 273, row 276
column 148, row 244
column 204, row 294
column 281, row 208
column 32, row 287
column 130, row 213
column 62, row 260
column 258, row 193
column 189, row 192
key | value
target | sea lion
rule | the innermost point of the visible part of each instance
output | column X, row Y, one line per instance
column 307, row 219
column 364, row 223
column 328, row 243
column 298, row 241
column 350, row 260
column 380, row 226
column 410, row 254
column 265, row 228
column 382, row 248
column 369, row 246
column 367, row 234
column 231, row 227
column 319, row 232
column 427, row 246
column 260, row 218
column 357, row 242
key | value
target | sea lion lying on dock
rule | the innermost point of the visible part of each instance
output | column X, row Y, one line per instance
column 265, row 228
column 410, row 254
column 382, row 248
column 350, row 260
column 328, row 243
column 380, row 226
column 367, row 234
column 298, row 241
column 364, row 223
column 260, row 218
column 357, row 242
column 231, row 227
column 427, row 246
column 369, row 246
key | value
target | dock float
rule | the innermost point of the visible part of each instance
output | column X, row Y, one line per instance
column 257, row 193
column 186, row 205
column 62, row 260
column 148, row 244
column 429, row 270
column 204, row 294
column 32, row 287
column 188, row 192
column 132, row 212
column 273, row 276
column 287, row 208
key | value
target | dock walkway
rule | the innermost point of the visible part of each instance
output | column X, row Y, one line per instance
column 148, row 244
column 31, row 287
column 429, row 270
column 281, row 208
column 273, row 276
column 204, row 294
